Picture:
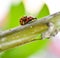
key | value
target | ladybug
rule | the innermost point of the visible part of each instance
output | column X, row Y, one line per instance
column 24, row 20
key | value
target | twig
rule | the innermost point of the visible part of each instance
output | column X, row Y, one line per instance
column 27, row 33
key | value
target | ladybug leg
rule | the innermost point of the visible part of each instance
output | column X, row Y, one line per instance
column 32, row 21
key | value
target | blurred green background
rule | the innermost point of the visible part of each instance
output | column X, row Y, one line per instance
column 26, row 50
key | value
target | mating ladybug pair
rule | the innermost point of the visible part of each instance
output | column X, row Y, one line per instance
column 24, row 20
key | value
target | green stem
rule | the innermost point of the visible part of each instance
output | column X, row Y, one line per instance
column 27, row 33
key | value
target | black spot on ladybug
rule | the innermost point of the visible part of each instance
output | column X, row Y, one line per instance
column 24, row 20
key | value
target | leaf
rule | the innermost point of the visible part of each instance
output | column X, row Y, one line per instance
column 16, row 12
column 26, row 50
column 43, row 12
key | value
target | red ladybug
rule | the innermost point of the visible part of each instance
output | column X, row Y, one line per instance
column 24, row 20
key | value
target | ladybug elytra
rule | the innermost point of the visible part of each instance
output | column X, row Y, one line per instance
column 24, row 20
